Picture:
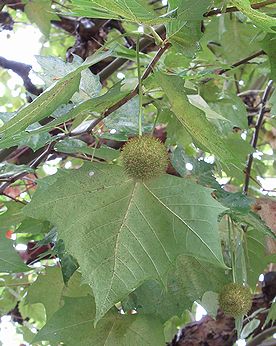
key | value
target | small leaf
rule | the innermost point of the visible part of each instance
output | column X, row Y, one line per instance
column 210, row 303
column 249, row 328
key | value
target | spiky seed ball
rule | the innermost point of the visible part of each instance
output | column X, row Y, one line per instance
column 235, row 299
column 144, row 158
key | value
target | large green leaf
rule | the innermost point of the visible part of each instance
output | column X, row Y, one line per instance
column 192, row 118
column 10, row 262
column 261, row 19
column 56, row 95
column 137, row 11
column 126, row 232
column 73, row 325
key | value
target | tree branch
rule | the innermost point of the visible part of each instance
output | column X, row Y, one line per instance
column 23, row 71
column 118, row 62
column 235, row 9
column 242, row 62
column 134, row 92
column 254, row 140
column 34, row 164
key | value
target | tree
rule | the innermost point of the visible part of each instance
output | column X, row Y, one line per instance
column 114, row 254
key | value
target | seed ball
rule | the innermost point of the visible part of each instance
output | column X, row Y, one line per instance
column 235, row 299
column 144, row 158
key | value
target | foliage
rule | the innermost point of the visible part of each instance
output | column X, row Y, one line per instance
column 111, row 260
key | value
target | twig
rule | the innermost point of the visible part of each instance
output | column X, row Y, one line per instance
column 134, row 92
column 241, row 62
column 235, row 9
column 118, row 62
column 14, row 198
column 254, row 140
column 34, row 164
column 262, row 337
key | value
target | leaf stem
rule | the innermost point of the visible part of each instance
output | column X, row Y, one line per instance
column 232, row 252
column 140, row 91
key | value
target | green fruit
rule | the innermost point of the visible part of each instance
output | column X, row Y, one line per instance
column 144, row 158
column 235, row 299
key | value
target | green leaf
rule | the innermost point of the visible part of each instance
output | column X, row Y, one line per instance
column 10, row 262
column 192, row 118
column 210, row 303
column 72, row 145
column 249, row 328
column 186, row 284
column 190, row 9
column 90, row 108
column 271, row 316
column 11, row 216
column 8, row 169
column 261, row 19
column 269, row 46
column 137, row 11
column 55, row 68
column 73, row 325
column 129, row 231
column 56, row 95
column 219, row 36
column 33, row 226
column 185, row 36
column 40, row 13
column 256, row 256
column 44, row 291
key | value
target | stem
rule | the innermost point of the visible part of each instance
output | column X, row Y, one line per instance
column 254, row 141
column 140, row 91
column 230, row 234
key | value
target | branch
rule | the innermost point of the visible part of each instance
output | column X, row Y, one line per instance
column 254, row 140
column 241, row 62
column 134, row 92
column 23, row 71
column 34, row 164
column 235, row 9
column 117, row 63
column 262, row 337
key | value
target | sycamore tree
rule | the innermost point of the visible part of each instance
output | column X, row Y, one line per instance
column 136, row 172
